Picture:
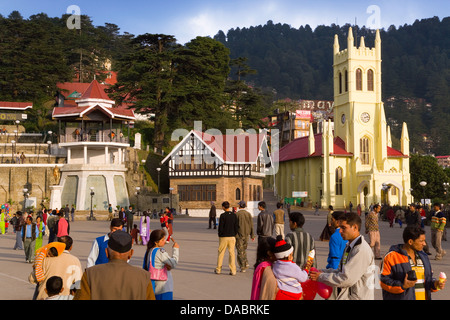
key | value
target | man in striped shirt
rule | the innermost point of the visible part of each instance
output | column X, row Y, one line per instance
column 438, row 222
column 300, row 240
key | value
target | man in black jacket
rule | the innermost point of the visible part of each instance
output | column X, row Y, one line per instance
column 228, row 228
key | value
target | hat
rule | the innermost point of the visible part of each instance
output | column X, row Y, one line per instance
column 242, row 204
column 120, row 241
column 282, row 248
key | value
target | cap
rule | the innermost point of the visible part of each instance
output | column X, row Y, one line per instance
column 242, row 204
column 282, row 248
column 120, row 241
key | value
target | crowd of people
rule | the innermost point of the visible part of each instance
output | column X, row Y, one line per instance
column 58, row 274
column 406, row 272
column 285, row 267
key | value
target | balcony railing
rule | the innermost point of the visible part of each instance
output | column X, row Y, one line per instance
column 99, row 136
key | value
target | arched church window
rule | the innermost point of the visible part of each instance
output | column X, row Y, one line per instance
column 358, row 79
column 370, row 80
column 339, row 175
column 346, row 80
column 340, row 82
column 364, row 150
column 238, row 194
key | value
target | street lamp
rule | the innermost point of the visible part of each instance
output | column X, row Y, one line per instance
column 138, row 191
column 410, row 191
column 13, row 151
column 170, row 190
column 25, row 197
column 423, row 184
column 49, row 143
column 159, row 170
column 17, row 129
column 446, row 185
column 91, row 216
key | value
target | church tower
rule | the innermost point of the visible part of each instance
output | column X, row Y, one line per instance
column 358, row 110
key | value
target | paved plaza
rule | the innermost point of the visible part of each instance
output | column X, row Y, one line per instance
column 194, row 277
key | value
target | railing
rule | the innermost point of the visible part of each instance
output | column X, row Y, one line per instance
column 101, row 136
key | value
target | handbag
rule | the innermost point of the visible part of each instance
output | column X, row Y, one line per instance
column 156, row 274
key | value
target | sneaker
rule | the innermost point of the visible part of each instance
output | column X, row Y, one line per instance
column 216, row 272
column 232, row 274
column 243, row 269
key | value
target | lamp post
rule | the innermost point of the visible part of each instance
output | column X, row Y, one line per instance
column 170, row 191
column 159, row 170
column 13, row 151
column 17, row 129
column 25, row 197
column 91, row 216
column 423, row 184
column 446, row 185
column 410, row 191
column 49, row 143
column 138, row 191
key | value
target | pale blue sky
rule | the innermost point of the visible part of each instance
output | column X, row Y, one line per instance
column 186, row 19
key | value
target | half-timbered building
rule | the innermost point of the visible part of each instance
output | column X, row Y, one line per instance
column 205, row 168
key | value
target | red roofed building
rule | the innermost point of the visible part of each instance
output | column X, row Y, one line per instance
column 95, row 135
column 207, row 167
column 352, row 160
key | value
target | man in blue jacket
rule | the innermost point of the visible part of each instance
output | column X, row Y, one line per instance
column 98, row 251
column 403, row 258
column 336, row 244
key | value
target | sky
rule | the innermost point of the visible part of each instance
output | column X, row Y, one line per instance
column 187, row 19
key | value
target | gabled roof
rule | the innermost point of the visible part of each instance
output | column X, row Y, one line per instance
column 233, row 148
column 66, row 112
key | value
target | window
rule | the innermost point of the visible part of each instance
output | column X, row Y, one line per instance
column 340, row 82
column 358, row 79
column 339, row 174
column 370, row 80
column 197, row 192
column 238, row 194
column 364, row 150
column 346, row 80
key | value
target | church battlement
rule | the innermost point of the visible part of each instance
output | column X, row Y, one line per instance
column 354, row 52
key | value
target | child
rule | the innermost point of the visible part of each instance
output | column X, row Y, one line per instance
column 135, row 234
column 54, row 287
column 287, row 272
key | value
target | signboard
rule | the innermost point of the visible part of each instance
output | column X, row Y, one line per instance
column 12, row 116
column 299, row 194
column 303, row 114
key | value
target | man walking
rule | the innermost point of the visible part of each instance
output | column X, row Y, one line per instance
column 438, row 222
column 245, row 231
column 100, row 244
column 265, row 223
column 129, row 215
column 228, row 228
column 29, row 232
column 279, row 217
column 372, row 228
column 18, row 225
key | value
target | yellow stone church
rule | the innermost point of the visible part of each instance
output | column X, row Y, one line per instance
column 352, row 159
